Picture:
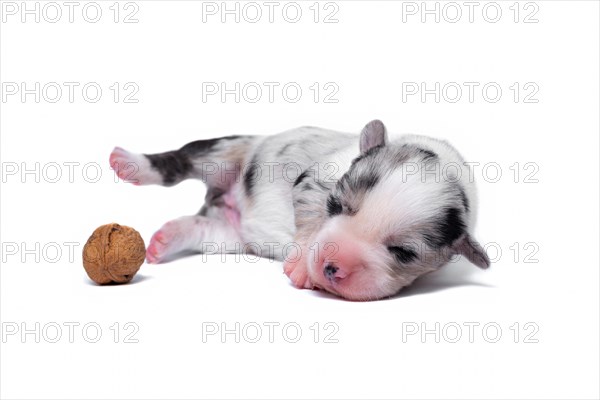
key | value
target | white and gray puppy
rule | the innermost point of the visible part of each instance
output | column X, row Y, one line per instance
column 360, row 216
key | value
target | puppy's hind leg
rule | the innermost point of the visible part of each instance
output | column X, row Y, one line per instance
column 216, row 161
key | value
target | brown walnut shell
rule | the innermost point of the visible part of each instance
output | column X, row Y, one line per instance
column 113, row 254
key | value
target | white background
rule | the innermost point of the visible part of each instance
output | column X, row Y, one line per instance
column 369, row 53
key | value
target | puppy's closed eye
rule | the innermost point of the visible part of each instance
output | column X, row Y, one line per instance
column 403, row 254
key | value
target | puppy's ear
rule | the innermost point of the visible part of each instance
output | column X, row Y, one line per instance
column 373, row 134
column 470, row 248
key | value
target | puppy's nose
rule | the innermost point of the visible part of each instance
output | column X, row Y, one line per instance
column 329, row 271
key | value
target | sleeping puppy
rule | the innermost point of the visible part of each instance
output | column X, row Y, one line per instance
column 360, row 216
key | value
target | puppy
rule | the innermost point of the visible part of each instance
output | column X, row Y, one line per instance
column 360, row 216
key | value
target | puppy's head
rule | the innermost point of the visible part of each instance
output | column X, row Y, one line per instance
column 389, row 222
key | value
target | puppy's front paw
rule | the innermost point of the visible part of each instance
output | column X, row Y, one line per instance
column 297, row 271
column 165, row 242
column 158, row 248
